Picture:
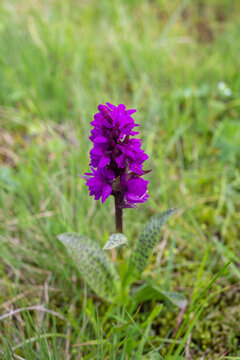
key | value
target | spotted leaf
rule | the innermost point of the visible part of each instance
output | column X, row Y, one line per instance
column 114, row 241
column 94, row 265
column 146, row 242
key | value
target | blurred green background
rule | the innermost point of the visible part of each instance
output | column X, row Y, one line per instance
column 176, row 62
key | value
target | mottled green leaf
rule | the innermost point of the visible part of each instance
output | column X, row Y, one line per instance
column 152, row 292
column 115, row 240
column 95, row 267
column 147, row 240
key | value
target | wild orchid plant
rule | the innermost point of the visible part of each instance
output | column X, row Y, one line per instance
column 117, row 169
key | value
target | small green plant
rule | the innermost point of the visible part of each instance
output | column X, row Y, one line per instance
column 117, row 162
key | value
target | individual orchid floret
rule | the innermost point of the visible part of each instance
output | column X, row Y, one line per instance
column 133, row 190
column 99, row 183
column 132, row 154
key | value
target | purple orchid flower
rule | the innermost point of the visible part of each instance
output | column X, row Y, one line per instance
column 116, row 159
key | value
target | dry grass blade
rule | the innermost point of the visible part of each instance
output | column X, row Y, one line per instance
column 30, row 308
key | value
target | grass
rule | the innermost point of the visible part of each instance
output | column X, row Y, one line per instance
column 177, row 62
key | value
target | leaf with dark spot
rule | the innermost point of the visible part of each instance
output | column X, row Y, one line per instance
column 146, row 242
column 95, row 267
column 114, row 241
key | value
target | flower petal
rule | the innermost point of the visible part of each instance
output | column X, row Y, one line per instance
column 107, row 190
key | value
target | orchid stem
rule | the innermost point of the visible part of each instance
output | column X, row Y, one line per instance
column 118, row 215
